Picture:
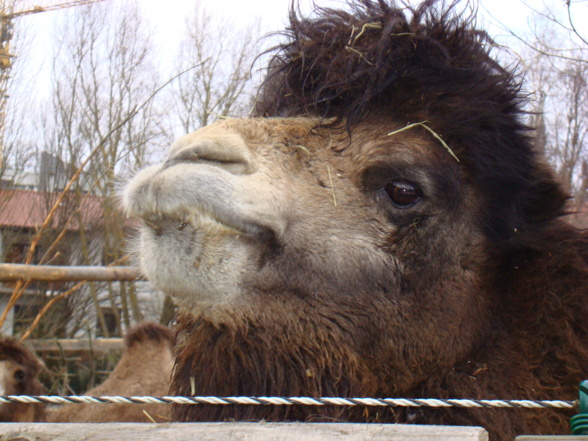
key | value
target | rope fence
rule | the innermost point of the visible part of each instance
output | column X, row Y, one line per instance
column 305, row 401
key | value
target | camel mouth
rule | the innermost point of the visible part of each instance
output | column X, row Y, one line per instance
column 206, row 221
column 187, row 197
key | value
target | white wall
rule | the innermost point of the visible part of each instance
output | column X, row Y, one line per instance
column 9, row 323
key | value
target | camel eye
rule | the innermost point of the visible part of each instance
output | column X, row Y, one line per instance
column 19, row 375
column 402, row 194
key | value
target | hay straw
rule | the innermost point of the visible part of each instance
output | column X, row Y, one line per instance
column 149, row 416
column 362, row 56
column 301, row 147
column 363, row 28
column 332, row 187
column 431, row 131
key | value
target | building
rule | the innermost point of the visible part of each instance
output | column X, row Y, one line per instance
column 79, row 220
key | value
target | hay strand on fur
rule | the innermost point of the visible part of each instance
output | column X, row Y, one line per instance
column 149, row 416
column 332, row 187
column 362, row 56
column 301, row 147
column 193, row 386
column 431, row 131
column 352, row 39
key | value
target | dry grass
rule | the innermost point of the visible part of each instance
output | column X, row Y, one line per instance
column 353, row 39
column 332, row 187
column 431, row 131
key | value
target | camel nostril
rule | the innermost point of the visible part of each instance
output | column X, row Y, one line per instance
column 227, row 151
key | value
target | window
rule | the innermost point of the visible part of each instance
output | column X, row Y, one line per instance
column 111, row 323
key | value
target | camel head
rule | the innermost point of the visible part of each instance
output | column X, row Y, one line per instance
column 373, row 231
column 355, row 237
column 18, row 376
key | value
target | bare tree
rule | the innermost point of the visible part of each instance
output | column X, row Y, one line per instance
column 560, row 17
column 102, row 72
column 570, row 125
column 17, row 147
column 222, row 85
column 16, row 151
column 556, row 59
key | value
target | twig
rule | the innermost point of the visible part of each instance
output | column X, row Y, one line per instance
column 569, row 4
column 552, row 51
column 46, row 308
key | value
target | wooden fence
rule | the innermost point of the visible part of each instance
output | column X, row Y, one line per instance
column 238, row 432
column 96, row 345
column 12, row 272
column 24, row 274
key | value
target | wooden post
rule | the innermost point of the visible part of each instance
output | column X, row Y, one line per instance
column 237, row 432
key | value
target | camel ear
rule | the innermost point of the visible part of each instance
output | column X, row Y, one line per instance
column 542, row 202
column 35, row 367
column 32, row 364
column 545, row 199
column 517, row 217
column 148, row 331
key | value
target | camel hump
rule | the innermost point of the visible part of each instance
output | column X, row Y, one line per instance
column 148, row 332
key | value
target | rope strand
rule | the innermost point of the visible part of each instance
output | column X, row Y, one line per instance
column 283, row 401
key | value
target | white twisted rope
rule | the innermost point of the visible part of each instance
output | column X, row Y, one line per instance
column 282, row 401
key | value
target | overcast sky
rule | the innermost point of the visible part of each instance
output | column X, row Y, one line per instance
column 512, row 13
column 168, row 16
column 273, row 13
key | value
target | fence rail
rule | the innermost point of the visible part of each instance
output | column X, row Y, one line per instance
column 238, row 432
column 75, row 345
column 10, row 272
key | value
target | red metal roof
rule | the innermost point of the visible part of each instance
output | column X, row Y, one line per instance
column 28, row 209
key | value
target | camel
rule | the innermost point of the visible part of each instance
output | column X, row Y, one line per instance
column 143, row 370
column 18, row 376
column 382, row 227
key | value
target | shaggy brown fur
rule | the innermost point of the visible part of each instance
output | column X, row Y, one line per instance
column 314, row 254
column 143, row 370
column 18, row 376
